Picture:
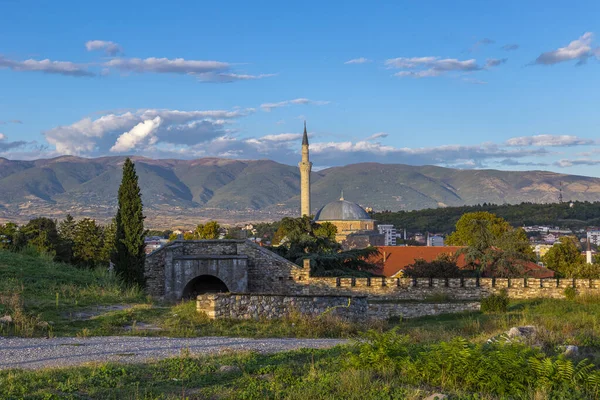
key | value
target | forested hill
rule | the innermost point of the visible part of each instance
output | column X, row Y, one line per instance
column 443, row 220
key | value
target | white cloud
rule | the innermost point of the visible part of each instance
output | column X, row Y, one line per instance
column 12, row 121
column 97, row 136
column 166, row 66
column 360, row 60
column 270, row 106
column 142, row 132
column 580, row 49
column 5, row 145
column 110, row 48
column 571, row 163
column 480, row 43
column 423, row 67
column 378, row 135
column 548, row 140
column 230, row 77
column 283, row 137
column 510, row 47
column 47, row 66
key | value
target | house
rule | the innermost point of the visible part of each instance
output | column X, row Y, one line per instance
column 394, row 259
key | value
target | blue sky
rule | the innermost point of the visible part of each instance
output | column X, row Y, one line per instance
column 470, row 84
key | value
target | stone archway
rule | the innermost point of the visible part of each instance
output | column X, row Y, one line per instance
column 204, row 284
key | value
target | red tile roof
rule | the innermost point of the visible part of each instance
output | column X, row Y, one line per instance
column 399, row 257
column 393, row 259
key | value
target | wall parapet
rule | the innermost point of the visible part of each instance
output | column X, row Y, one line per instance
column 457, row 288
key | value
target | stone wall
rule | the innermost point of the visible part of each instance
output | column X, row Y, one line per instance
column 386, row 310
column 268, row 306
column 274, row 306
column 242, row 265
column 246, row 267
column 459, row 289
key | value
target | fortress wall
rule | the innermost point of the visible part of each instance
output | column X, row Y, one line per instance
column 453, row 288
column 274, row 306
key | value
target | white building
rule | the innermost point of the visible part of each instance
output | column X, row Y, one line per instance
column 594, row 237
column 390, row 234
column 435, row 240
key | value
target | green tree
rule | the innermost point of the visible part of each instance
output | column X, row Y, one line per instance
column 130, row 254
column 109, row 233
column 210, row 230
column 468, row 229
column 492, row 247
column 9, row 237
column 66, row 234
column 564, row 258
column 444, row 266
column 87, row 243
column 299, row 238
column 41, row 233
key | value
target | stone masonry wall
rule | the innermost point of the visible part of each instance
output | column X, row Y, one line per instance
column 459, row 289
column 386, row 310
column 259, row 306
column 168, row 269
column 273, row 306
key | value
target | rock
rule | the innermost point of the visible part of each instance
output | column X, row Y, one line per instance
column 7, row 319
column 229, row 369
column 571, row 351
column 522, row 332
column 436, row 396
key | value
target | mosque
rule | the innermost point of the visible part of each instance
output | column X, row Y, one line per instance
column 355, row 227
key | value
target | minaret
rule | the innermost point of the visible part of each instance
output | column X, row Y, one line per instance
column 305, row 167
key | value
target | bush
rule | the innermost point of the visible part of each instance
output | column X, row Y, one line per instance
column 495, row 302
column 570, row 293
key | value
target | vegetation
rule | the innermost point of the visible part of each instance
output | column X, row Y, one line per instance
column 566, row 260
column 444, row 266
column 130, row 249
column 416, row 358
column 210, row 230
column 396, row 364
column 493, row 247
column 497, row 302
column 443, row 220
column 301, row 238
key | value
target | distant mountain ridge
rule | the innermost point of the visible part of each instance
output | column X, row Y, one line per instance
column 231, row 190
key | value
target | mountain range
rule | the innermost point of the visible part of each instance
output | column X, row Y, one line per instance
column 183, row 192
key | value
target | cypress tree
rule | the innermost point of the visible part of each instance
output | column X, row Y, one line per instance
column 130, row 255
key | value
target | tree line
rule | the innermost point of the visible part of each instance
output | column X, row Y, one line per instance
column 87, row 244
column 442, row 220
column 84, row 243
column 492, row 247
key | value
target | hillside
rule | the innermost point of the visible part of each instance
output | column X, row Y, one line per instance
column 245, row 190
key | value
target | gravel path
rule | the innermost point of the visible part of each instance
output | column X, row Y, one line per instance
column 63, row 352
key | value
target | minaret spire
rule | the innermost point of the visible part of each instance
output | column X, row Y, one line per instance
column 305, row 167
column 342, row 196
column 305, row 136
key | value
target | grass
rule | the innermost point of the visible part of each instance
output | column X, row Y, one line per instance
column 45, row 298
column 408, row 359
column 386, row 366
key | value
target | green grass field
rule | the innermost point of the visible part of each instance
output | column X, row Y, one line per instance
column 402, row 359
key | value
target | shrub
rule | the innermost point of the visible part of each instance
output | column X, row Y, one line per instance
column 495, row 302
column 442, row 267
column 570, row 293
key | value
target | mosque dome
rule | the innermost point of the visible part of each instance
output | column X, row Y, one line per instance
column 342, row 210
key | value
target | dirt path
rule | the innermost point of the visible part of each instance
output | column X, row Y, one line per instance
column 64, row 352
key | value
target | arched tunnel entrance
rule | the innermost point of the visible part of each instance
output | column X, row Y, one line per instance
column 204, row 284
